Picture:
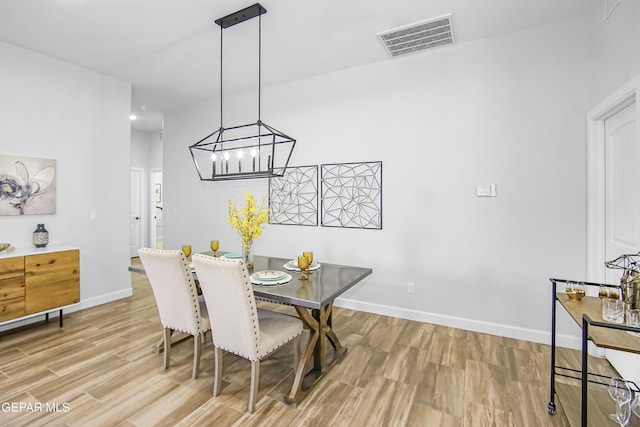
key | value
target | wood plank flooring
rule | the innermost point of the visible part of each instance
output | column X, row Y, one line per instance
column 99, row 370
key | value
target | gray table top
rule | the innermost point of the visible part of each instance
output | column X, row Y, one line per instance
column 322, row 288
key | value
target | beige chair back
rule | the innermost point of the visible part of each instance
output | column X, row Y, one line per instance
column 174, row 290
column 231, row 304
column 237, row 326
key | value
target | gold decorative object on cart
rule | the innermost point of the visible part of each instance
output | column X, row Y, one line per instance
column 630, row 280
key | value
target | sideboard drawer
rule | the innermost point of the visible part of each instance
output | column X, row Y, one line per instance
column 11, row 288
column 10, row 267
column 12, row 309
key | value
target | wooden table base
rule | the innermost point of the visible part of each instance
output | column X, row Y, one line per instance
column 159, row 348
column 319, row 324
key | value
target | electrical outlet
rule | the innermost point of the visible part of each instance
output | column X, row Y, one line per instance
column 411, row 287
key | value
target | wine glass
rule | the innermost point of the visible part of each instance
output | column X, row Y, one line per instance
column 575, row 290
column 623, row 413
column 619, row 391
column 635, row 404
column 303, row 265
column 186, row 249
column 215, row 245
column 309, row 256
column 608, row 292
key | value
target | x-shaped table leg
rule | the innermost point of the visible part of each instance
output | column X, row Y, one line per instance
column 319, row 324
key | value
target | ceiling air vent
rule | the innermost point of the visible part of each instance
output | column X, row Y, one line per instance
column 419, row 36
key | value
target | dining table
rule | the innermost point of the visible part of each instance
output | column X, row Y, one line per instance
column 313, row 300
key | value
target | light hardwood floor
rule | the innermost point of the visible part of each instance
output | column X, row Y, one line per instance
column 100, row 371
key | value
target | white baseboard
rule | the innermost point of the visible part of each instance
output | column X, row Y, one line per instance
column 82, row 305
column 102, row 299
column 543, row 337
column 533, row 335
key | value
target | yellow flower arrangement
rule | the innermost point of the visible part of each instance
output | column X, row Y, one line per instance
column 248, row 219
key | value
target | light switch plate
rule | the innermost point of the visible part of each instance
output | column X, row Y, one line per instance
column 486, row 190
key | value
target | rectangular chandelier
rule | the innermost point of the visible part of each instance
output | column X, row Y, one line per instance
column 254, row 150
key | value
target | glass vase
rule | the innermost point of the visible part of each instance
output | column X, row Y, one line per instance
column 247, row 253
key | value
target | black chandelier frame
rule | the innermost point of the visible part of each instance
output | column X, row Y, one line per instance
column 220, row 156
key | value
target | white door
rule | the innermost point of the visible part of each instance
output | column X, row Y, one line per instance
column 622, row 188
column 622, row 209
column 135, row 217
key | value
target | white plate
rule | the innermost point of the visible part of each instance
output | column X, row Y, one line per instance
column 284, row 279
column 269, row 275
column 293, row 266
column 232, row 255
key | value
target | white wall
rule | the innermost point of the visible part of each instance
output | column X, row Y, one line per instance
column 614, row 49
column 52, row 109
column 146, row 149
column 507, row 110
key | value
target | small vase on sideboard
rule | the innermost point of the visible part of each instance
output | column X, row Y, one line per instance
column 40, row 237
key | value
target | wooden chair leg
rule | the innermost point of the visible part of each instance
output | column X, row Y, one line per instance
column 167, row 346
column 217, row 376
column 296, row 351
column 255, row 381
column 197, row 346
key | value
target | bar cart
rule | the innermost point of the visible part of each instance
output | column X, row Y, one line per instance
column 587, row 313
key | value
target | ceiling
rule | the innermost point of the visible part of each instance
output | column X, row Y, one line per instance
column 169, row 50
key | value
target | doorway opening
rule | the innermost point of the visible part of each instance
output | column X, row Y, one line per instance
column 147, row 195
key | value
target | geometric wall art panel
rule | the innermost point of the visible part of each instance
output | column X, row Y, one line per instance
column 351, row 195
column 293, row 198
column 27, row 185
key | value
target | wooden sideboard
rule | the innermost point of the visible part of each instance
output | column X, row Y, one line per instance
column 38, row 283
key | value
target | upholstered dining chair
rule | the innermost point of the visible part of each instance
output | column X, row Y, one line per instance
column 177, row 299
column 237, row 325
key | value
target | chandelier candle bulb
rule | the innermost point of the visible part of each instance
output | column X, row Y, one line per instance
column 240, row 161
column 226, row 162
column 253, row 155
column 213, row 162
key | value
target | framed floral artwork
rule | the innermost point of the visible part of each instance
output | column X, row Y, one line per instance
column 27, row 185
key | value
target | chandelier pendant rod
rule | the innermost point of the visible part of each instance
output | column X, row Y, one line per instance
column 221, row 45
column 259, row 65
column 260, row 91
